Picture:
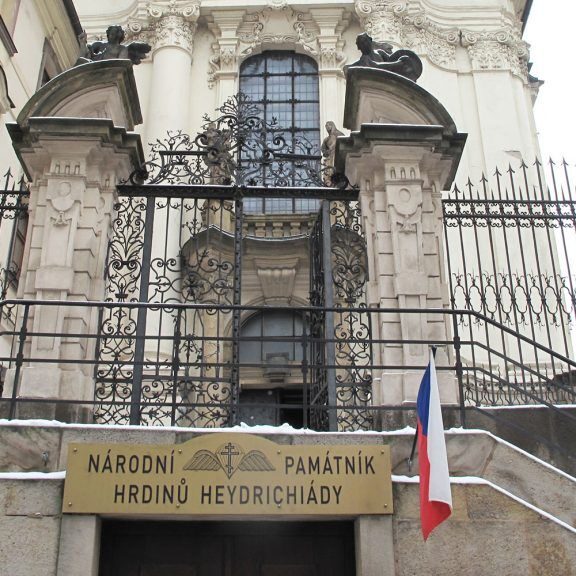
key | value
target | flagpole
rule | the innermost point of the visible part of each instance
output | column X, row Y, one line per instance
column 415, row 441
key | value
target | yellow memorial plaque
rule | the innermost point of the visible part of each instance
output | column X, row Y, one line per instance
column 228, row 474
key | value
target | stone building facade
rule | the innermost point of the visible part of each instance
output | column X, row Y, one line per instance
column 198, row 287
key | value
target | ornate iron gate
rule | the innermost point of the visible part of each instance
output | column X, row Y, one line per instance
column 178, row 239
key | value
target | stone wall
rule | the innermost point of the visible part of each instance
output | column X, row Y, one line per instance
column 490, row 532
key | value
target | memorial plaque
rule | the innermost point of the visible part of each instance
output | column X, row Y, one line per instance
column 228, row 474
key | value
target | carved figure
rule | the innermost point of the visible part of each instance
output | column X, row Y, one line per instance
column 135, row 51
column 218, row 156
column 329, row 143
column 381, row 55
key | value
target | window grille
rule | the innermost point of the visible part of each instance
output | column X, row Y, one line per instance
column 284, row 85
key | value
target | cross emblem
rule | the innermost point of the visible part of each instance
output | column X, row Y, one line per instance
column 228, row 452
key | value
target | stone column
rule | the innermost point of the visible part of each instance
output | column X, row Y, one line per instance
column 173, row 28
column 331, row 22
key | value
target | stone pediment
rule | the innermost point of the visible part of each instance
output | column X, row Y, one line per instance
column 381, row 97
column 104, row 90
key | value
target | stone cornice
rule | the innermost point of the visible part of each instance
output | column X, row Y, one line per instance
column 431, row 31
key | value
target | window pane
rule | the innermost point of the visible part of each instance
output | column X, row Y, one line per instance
column 306, row 116
column 304, row 65
column 279, row 88
column 279, row 63
column 254, row 65
column 306, row 88
column 253, row 87
column 280, row 114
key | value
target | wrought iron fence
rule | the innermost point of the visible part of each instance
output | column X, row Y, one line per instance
column 510, row 246
column 14, row 195
column 183, row 388
column 183, row 338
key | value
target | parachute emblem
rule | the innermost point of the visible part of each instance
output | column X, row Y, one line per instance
column 230, row 457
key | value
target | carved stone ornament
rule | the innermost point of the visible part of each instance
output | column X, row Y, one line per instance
column 277, row 24
column 165, row 24
column 383, row 57
column 396, row 21
column 114, row 49
column 497, row 50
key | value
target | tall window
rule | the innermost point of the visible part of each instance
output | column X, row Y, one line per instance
column 285, row 85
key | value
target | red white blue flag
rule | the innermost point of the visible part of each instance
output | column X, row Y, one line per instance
column 435, row 494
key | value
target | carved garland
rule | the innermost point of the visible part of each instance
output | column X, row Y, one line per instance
column 255, row 31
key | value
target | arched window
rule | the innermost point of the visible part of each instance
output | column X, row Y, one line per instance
column 285, row 86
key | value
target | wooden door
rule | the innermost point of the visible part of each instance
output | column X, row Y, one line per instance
column 227, row 549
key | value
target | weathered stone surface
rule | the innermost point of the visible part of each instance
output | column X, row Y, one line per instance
column 102, row 435
column 29, row 448
column 374, row 546
column 533, row 481
column 28, row 546
column 488, row 534
column 79, row 546
column 32, row 498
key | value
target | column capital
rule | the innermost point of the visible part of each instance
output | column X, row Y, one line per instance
column 167, row 24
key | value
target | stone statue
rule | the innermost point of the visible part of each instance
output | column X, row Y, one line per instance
column 382, row 56
column 135, row 51
column 329, row 143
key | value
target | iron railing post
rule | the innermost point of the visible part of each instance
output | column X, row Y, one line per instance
column 329, row 336
column 139, row 348
column 459, row 371
column 236, row 313
column 19, row 361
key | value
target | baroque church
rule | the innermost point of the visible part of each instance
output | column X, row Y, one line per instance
column 232, row 236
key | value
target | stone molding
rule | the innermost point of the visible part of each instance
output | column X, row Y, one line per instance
column 317, row 33
column 407, row 25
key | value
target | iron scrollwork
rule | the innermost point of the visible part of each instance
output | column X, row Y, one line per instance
column 238, row 148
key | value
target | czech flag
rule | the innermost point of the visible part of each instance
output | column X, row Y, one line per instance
column 435, row 494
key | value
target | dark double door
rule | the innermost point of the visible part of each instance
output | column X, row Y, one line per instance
column 227, row 549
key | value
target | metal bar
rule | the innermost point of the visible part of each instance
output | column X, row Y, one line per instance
column 139, row 350
column 236, row 314
column 230, row 192
column 19, row 361
column 329, row 317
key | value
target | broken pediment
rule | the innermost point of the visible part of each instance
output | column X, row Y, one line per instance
column 103, row 90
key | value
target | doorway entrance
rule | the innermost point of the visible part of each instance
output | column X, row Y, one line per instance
column 227, row 549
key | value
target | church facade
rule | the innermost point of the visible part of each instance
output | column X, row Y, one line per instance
column 240, row 229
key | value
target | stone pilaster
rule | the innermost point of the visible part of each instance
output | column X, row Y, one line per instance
column 72, row 140
column 75, row 165
column 403, row 151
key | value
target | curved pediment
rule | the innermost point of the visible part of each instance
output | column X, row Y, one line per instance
column 105, row 90
column 381, row 97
